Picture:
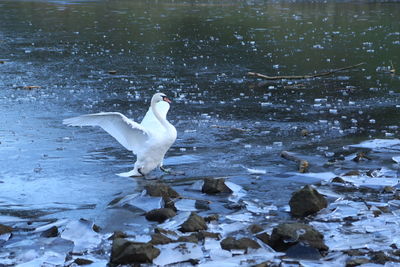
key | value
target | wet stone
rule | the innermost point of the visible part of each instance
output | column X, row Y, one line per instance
column 352, row 173
column 286, row 235
column 51, row 232
column 161, row 190
column 193, row 224
column 160, row 215
column 231, row 243
column 127, row 252
column 306, row 201
column 160, row 239
column 4, row 229
column 215, row 186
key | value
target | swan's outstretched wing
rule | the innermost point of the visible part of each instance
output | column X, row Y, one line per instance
column 151, row 123
column 127, row 132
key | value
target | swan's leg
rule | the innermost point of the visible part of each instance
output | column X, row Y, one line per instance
column 140, row 171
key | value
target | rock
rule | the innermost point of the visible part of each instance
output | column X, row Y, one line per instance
column 264, row 237
column 127, row 252
column 306, row 201
column 161, row 190
column 194, row 223
column 203, row 235
column 339, row 180
column 4, row 229
column 160, row 215
column 117, row 234
column 169, row 203
column 215, row 186
column 301, row 251
column 356, row 262
column 213, row 217
column 80, row 261
column 202, row 205
column 352, row 173
column 231, row 243
column 164, row 232
column 286, row 235
column 51, row 232
column 255, row 228
column 264, row 264
column 380, row 257
column 388, row 190
column 160, row 239
column 190, row 238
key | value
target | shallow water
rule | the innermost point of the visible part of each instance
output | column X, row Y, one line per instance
column 198, row 54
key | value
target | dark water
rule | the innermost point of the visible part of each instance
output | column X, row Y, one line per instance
column 198, row 53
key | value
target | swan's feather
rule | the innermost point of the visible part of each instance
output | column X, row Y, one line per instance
column 151, row 123
column 127, row 132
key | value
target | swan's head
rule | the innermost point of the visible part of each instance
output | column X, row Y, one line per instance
column 160, row 97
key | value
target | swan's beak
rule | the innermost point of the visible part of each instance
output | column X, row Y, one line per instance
column 166, row 99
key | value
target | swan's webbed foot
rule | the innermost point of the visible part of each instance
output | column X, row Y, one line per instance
column 169, row 171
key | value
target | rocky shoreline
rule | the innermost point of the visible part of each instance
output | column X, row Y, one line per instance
column 184, row 231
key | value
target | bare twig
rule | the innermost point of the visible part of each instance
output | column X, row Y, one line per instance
column 303, row 164
column 297, row 77
column 230, row 127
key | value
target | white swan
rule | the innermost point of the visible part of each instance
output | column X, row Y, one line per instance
column 149, row 140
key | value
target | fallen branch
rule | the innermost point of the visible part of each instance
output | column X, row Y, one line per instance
column 298, row 77
column 230, row 127
column 302, row 164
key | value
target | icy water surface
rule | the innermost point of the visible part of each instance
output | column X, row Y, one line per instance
column 64, row 58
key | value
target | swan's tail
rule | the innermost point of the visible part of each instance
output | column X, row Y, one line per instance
column 132, row 173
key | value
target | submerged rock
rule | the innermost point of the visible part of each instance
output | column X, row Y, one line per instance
column 194, row 223
column 215, row 186
column 264, row 237
column 127, row 252
column 160, row 215
column 161, row 190
column 51, row 232
column 302, row 251
column 231, row 243
column 117, row 234
column 306, row 201
column 286, row 235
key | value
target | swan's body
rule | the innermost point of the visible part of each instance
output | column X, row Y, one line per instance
column 149, row 140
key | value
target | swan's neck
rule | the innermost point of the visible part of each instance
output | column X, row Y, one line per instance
column 162, row 120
